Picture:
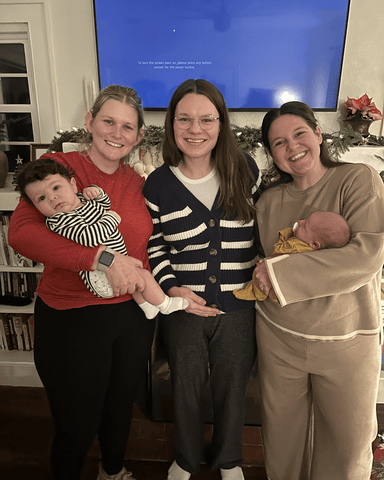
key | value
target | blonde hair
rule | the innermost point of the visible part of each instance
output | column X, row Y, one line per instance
column 121, row 94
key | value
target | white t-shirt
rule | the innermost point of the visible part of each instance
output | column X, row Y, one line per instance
column 204, row 189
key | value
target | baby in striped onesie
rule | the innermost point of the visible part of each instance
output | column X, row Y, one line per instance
column 86, row 218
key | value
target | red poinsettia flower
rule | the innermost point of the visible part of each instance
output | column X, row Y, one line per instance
column 364, row 107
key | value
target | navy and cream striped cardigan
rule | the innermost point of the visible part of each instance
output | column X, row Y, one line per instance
column 194, row 247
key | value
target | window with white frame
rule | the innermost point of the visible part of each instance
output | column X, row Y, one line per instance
column 19, row 124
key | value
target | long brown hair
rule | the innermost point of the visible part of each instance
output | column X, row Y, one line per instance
column 233, row 171
column 306, row 113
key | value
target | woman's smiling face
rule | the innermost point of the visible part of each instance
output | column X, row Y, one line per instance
column 196, row 143
column 114, row 131
column 295, row 147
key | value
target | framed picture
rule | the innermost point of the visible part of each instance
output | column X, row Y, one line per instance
column 37, row 149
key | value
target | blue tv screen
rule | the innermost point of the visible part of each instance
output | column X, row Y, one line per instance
column 259, row 54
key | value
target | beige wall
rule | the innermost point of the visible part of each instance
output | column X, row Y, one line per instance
column 70, row 33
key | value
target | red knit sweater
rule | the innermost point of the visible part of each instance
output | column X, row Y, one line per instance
column 61, row 286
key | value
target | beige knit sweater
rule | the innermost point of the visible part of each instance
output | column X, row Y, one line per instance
column 329, row 294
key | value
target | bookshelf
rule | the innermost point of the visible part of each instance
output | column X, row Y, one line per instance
column 17, row 368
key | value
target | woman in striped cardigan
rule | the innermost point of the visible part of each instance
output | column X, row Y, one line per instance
column 202, row 248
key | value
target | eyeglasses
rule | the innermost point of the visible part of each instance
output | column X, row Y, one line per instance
column 206, row 122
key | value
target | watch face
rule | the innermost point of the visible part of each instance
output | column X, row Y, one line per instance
column 106, row 258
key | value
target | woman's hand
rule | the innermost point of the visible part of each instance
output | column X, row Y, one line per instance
column 260, row 279
column 124, row 276
column 196, row 303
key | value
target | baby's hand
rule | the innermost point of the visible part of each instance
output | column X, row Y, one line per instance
column 116, row 215
column 89, row 193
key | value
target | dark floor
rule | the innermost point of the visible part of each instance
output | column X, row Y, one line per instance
column 26, row 433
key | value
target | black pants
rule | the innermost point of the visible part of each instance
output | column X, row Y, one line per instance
column 219, row 351
column 91, row 361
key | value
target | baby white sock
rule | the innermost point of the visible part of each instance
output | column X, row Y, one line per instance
column 150, row 310
column 175, row 472
column 172, row 304
column 235, row 473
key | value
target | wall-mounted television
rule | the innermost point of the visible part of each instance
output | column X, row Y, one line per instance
column 258, row 53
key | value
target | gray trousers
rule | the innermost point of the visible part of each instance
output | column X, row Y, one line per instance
column 220, row 351
column 318, row 404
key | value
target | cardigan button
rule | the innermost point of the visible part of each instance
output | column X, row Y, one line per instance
column 212, row 222
column 213, row 306
column 213, row 251
column 212, row 279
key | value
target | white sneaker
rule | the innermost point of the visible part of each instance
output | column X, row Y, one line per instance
column 122, row 475
column 177, row 473
column 235, row 473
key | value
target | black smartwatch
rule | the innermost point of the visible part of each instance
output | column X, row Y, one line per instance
column 106, row 259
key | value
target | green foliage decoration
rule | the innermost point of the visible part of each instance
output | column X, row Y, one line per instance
column 249, row 139
column 152, row 139
column 76, row 135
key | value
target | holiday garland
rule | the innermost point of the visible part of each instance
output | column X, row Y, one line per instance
column 249, row 139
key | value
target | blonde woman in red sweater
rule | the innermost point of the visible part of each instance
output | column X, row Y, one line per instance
column 91, row 352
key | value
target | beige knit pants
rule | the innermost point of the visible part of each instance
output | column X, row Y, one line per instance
column 318, row 404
